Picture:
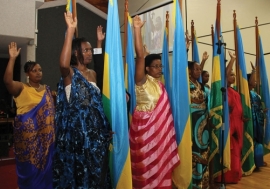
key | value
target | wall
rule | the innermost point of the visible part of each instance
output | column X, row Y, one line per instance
column 204, row 13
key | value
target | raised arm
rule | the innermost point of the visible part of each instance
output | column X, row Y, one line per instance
column 253, row 72
column 67, row 47
column 98, row 57
column 230, row 65
column 100, row 36
column 204, row 58
column 188, row 40
column 145, row 50
column 13, row 87
column 140, row 64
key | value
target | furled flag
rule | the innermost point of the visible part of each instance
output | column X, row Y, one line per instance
column 248, row 148
column 219, row 111
column 69, row 6
column 195, row 50
column 114, row 101
column 182, row 175
column 265, row 94
column 130, row 68
column 166, row 64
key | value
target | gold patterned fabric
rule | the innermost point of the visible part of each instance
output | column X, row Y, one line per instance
column 34, row 135
column 147, row 95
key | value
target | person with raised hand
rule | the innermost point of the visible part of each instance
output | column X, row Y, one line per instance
column 34, row 127
column 83, row 131
column 154, row 153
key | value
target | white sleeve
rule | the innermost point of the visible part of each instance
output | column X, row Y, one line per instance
column 97, row 50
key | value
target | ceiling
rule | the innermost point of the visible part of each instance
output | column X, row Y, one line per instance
column 100, row 4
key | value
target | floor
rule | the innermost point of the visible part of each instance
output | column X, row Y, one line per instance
column 258, row 180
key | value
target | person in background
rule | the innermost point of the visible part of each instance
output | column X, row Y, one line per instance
column 83, row 131
column 236, row 126
column 152, row 136
column 258, row 120
column 200, row 130
column 34, row 128
column 205, row 78
column 98, row 57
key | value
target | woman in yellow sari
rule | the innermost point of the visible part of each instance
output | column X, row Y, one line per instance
column 34, row 125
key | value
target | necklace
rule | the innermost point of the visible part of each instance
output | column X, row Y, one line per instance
column 196, row 85
column 34, row 87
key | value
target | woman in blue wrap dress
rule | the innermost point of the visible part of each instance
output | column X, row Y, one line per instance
column 83, row 131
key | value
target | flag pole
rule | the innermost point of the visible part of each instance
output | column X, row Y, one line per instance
column 125, row 34
column 257, row 56
column 218, row 18
column 74, row 14
column 192, row 37
column 167, row 25
column 237, row 69
column 212, row 35
column 223, row 89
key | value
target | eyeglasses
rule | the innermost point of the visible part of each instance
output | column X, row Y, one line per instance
column 157, row 66
column 86, row 50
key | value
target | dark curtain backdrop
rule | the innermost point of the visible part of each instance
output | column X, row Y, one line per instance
column 51, row 34
column 5, row 97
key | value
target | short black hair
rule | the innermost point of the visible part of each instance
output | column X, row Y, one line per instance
column 191, row 64
column 77, row 46
column 28, row 66
column 150, row 58
column 204, row 72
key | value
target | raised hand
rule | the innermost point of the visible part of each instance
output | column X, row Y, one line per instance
column 145, row 50
column 137, row 22
column 13, row 51
column 205, row 56
column 232, row 55
column 188, row 39
column 100, row 34
column 71, row 23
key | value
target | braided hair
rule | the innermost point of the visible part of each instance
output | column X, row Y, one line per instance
column 76, row 46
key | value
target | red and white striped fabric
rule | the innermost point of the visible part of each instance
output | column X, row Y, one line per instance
column 153, row 146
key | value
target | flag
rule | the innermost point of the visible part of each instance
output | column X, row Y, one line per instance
column 248, row 148
column 219, row 107
column 225, row 111
column 195, row 50
column 130, row 68
column 69, row 6
column 265, row 94
column 114, row 101
column 182, row 175
column 166, row 65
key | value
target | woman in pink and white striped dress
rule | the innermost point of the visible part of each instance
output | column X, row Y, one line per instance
column 152, row 135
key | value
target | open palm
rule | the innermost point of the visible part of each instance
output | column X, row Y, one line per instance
column 71, row 23
column 13, row 51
